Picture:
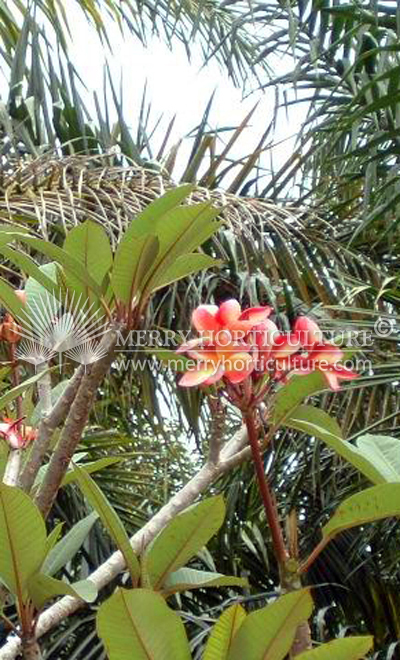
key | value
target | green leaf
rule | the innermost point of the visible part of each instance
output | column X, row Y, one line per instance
column 383, row 452
column 134, row 258
column 67, row 261
column 268, row 633
column 182, row 267
column 19, row 389
column 186, row 579
column 52, row 539
column 9, row 299
column 92, row 467
column 139, row 624
column 22, row 539
column 348, row 648
column 375, row 503
column 181, row 231
column 109, row 519
column 294, row 392
column 223, row 633
column 89, row 243
column 69, row 545
column 40, row 299
column 144, row 222
column 318, row 423
column 181, row 539
column 42, row 588
column 45, row 275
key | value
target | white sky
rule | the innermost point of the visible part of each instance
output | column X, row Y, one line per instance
column 176, row 86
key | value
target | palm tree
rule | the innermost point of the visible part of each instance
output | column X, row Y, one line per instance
column 329, row 249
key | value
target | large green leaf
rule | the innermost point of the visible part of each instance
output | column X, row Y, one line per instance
column 139, row 247
column 318, row 423
column 349, row 648
column 375, row 503
column 139, row 624
column 268, row 633
column 14, row 392
column 182, row 267
column 294, row 392
column 44, row 275
column 69, row 545
column 91, row 467
column 223, row 633
column 157, row 210
column 70, row 264
column 22, row 539
column 383, row 452
column 52, row 539
column 181, row 231
column 42, row 294
column 186, row 579
column 109, row 519
column 134, row 258
column 42, row 588
column 9, row 300
column 89, row 243
column 181, row 539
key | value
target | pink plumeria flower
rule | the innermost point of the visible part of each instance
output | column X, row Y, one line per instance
column 222, row 350
column 15, row 439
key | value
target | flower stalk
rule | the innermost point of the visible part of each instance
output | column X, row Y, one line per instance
column 267, row 497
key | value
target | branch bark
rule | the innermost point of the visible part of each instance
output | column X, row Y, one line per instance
column 74, row 425
column 10, row 477
column 47, row 426
column 234, row 453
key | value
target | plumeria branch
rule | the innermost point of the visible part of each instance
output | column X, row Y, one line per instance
column 47, row 426
column 75, row 423
column 10, row 477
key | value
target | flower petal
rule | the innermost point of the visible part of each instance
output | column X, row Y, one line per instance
column 190, row 345
column 264, row 335
column 327, row 353
column 228, row 313
column 238, row 366
column 255, row 314
column 332, row 380
column 15, row 440
column 208, row 358
column 344, row 373
column 307, row 331
column 217, row 376
column 204, row 318
column 285, row 345
column 196, row 377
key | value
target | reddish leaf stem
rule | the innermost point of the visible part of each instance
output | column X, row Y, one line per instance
column 313, row 556
column 266, row 495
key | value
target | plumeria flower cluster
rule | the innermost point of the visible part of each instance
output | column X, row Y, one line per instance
column 16, row 439
column 234, row 345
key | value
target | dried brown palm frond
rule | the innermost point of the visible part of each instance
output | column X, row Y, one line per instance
column 275, row 254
